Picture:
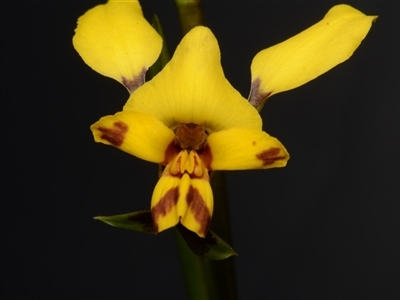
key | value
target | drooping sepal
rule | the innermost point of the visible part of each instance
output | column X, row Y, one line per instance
column 183, row 194
column 199, row 199
column 210, row 247
column 164, row 202
column 138, row 221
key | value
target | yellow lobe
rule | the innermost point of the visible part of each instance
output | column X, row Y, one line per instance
column 199, row 199
column 187, row 163
column 135, row 133
column 197, row 168
column 184, row 186
column 164, row 202
column 115, row 40
column 244, row 149
column 183, row 194
column 310, row 53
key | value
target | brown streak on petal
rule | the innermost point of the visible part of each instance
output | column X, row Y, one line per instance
column 199, row 209
column 116, row 135
column 133, row 84
column 162, row 208
column 268, row 157
column 256, row 97
column 206, row 156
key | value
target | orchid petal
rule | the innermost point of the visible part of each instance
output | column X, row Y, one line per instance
column 243, row 149
column 308, row 54
column 115, row 40
column 135, row 133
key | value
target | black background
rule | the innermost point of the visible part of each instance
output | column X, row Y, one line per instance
column 326, row 226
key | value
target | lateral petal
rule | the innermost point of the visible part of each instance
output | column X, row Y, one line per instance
column 310, row 53
column 243, row 149
column 192, row 88
column 115, row 40
column 135, row 133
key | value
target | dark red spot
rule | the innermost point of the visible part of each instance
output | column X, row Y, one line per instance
column 162, row 208
column 199, row 209
column 205, row 156
column 268, row 157
column 115, row 135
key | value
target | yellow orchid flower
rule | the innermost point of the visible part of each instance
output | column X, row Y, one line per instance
column 188, row 117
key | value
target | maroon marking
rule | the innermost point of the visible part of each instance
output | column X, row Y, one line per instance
column 190, row 136
column 256, row 97
column 205, row 156
column 162, row 208
column 268, row 157
column 133, row 84
column 199, row 209
column 115, row 135
column 171, row 152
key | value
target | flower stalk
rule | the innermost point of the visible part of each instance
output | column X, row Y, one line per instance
column 190, row 14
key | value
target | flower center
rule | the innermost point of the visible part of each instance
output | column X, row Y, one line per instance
column 190, row 136
column 189, row 163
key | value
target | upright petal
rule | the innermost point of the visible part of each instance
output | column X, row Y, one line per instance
column 192, row 88
column 244, row 149
column 136, row 133
column 115, row 40
column 310, row 53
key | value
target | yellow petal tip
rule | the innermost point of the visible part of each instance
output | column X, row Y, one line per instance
column 310, row 53
column 115, row 40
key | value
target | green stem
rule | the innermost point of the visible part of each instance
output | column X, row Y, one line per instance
column 190, row 14
column 209, row 279
column 223, row 270
column 194, row 269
